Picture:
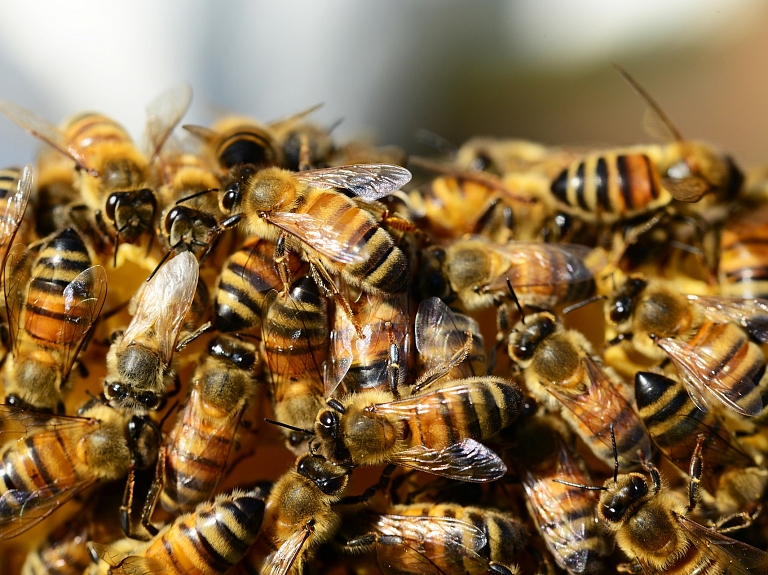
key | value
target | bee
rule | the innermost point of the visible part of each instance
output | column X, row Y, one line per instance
column 189, row 226
column 295, row 332
column 246, row 278
column 445, row 538
column 564, row 515
column 618, row 185
column 139, row 359
column 64, row 552
column 436, row 431
column 702, row 337
column 675, row 424
column 743, row 258
column 15, row 189
column 505, row 156
column 652, row 527
column 443, row 337
column 304, row 145
column 197, row 448
column 561, row 371
column 299, row 516
column 206, row 541
column 112, row 176
column 52, row 300
column 300, row 212
column 55, row 457
column 476, row 271
column 378, row 360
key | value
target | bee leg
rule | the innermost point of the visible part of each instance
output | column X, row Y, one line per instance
column 127, row 504
column 154, row 494
column 305, row 154
column 633, row 568
column 393, row 368
column 442, row 370
column 326, row 283
column 359, row 544
column 381, row 485
column 193, row 336
column 740, row 520
column 695, row 470
column 281, row 261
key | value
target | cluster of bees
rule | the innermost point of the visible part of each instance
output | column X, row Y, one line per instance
column 261, row 269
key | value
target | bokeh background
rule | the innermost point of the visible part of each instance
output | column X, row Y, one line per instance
column 538, row 69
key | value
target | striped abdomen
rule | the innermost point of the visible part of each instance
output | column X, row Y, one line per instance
column 245, row 144
column 64, row 552
column 674, row 424
column 743, row 264
column 609, row 187
column 472, row 408
column 90, row 130
column 43, row 318
column 384, row 267
column 210, row 540
column 246, row 278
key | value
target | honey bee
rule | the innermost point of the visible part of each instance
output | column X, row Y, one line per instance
column 702, row 338
column 112, row 176
column 64, row 552
column 295, row 332
column 476, row 271
column 206, row 541
column 445, row 538
column 505, row 156
column 301, row 213
column 561, row 371
column 564, row 515
column 52, row 299
column 304, row 145
column 743, row 258
column 378, row 360
column 139, row 360
column 246, row 278
column 675, row 424
column 618, row 185
column 436, row 431
column 197, row 448
column 652, row 528
column 55, row 457
column 299, row 516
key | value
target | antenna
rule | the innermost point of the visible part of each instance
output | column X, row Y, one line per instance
column 291, row 427
column 517, row 301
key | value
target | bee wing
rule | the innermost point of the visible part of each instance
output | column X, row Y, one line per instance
column 17, row 422
column 163, row 114
column 43, row 130
column 321, row 236
column 536, row 264
column 14, row 210
column 369, row 181
column 164, row 303
column 689, row 189
column 16, row 275
column 749, row 313
column 84, row 297
column 735, row 557
column 135, row 565
column 550, row 503
column 437, row 545
column 340, row 352
column 438, row 336
column 22, row 510
column 603, row 405
column 467, row 460
column 282, row 560
column 698, row 377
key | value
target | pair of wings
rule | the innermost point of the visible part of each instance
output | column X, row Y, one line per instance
column 694, row 363
column 735, row 557
column 163, row 304
column 602, row 405
column 367, row 181
column 23, row 509
column 163, row 114
column 78, row 305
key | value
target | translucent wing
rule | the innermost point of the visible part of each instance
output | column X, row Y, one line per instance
column 695, row 366
column 163, row 114
column 19, row 423
column 369, row 181
column 135, row 565
column 288, row 122
column 16, row 275
column 164, row 303
column 735, row 557
column 467, row 460
column 281, row 561
column 438, row 336
column 83, row 299
column 751, row 313
column 15, row 206
column 342, row 345
column 437, row 545
column 539, row 264
column 321, row 236
column 601, row 405
column 43, row 130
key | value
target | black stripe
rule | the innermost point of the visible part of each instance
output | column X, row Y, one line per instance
column 601, row 185
column 651, row 177
column 487, row 401
column 200, row 542
column 559, row 187
column 626, row 192
column 580, row 188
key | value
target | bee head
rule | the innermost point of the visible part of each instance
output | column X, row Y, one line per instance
column 622, row 305
column 524, row 341
column 329, row 477
column 623, row 496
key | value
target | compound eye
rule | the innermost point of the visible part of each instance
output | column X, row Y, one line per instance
column 170, row 219
column 332, row 485
column 114, row 391
column 112, row 202
column 229, row 198
column 620, row 310
column 328, row 419
column 639, row 487
column 149, row 400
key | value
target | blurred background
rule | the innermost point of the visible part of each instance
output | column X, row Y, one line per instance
column 538, row 69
